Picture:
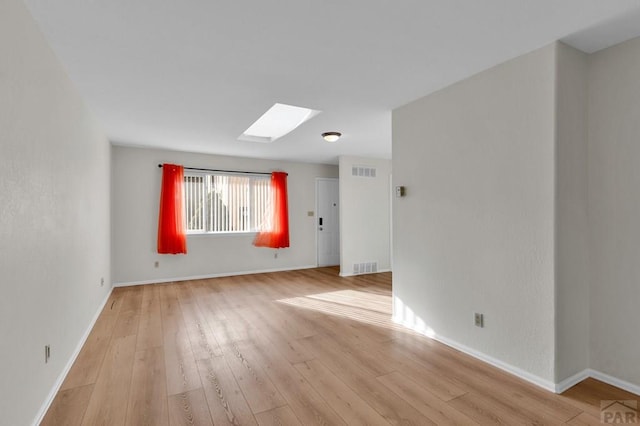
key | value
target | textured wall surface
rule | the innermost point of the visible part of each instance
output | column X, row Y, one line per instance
column 365, row 214
column 475, row 232
column 572, row 279
column 614, row 209
column 54, row 216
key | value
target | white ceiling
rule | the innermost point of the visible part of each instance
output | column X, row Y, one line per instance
column 193, row 75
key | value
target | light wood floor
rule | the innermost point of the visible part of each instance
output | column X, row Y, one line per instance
column 302, row 347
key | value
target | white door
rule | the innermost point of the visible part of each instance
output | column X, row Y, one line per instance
column 328, row 222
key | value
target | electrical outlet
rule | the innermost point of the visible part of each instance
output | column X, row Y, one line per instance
column 101, row 282
column 275, row 255
column 310, row 213
column 479, row 320
column 47, row 353
column 156, row 264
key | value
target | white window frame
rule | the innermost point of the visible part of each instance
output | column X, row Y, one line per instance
column 209, row 217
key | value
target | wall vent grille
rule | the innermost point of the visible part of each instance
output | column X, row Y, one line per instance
column 363, row 171
column 365, row 268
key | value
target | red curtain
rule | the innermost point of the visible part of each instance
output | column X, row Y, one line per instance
column 171, row 226
column 278, row 235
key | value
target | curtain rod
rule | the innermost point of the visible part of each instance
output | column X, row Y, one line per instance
column 226, row 171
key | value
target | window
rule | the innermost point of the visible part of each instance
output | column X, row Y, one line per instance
column 216, row 203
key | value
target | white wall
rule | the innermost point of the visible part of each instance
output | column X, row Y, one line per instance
column 136, row 194
column 614, row 209
column 523, row 203
column 364, row 214
column 54, row 210
column 475, row 232
column 572, row 279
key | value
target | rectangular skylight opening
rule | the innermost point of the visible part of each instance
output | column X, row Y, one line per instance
column 279, row 120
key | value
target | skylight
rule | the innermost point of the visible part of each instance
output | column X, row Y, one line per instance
column 279, row 120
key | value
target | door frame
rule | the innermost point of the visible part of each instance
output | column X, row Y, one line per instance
column 315, row 216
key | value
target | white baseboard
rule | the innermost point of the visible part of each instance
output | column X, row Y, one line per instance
column 614, row 381
column 56, row 387
column 344, row 274
column 572, row 381
column 203, row 277
column 516, row 371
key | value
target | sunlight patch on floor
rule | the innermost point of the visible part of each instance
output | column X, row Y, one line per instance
column 356, row 305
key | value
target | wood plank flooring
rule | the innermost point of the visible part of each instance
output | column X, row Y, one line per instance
column 290, row 348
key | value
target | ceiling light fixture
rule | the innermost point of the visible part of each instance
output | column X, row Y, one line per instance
column 331, row 136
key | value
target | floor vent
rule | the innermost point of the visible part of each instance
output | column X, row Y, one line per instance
column 363, row 171
column 365, row 268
